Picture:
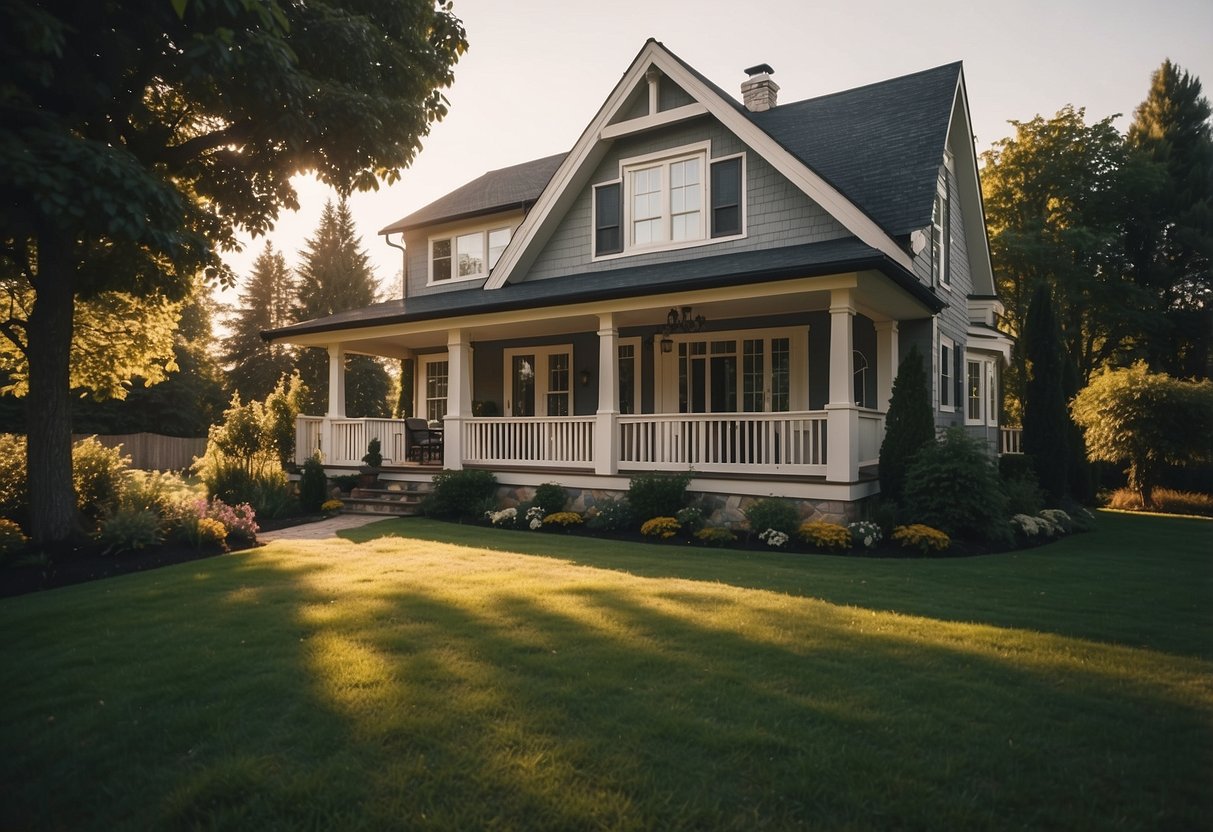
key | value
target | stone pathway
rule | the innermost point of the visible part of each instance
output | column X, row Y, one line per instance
column 321, row 529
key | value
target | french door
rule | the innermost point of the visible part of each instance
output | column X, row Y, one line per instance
column 735, row 374
column 539, row 381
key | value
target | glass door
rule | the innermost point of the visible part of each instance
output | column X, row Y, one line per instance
column 522, row 385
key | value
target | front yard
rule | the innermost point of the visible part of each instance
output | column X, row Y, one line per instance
column 461, row 677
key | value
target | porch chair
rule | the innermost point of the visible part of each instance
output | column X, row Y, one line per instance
column 425, row 445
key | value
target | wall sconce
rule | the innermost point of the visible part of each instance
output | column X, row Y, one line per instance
column 584, row 377
column 682, row 321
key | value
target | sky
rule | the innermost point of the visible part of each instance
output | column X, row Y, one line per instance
column 537, row 71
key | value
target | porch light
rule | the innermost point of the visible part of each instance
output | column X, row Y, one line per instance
column 584, row 377
column 679, row 320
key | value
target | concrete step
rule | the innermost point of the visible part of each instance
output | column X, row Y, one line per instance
column 391, row 494
column 378, row 505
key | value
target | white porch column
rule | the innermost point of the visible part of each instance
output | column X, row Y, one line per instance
column 336, row 382
column 458, row 397
column 842, row 417
column 605, row 433
column 886, row 362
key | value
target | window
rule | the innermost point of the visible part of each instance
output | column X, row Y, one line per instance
column 466, row 256
column 860, row 363
column 629, row 375
column 947, row 349
column 539, row 381
column 670, row 202
column 712, row 379
column 434, row 386
column 941, row 234
column 981, row 391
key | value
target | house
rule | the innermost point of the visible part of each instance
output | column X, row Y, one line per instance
column 700, row 284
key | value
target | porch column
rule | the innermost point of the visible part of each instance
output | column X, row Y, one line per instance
column 842, row 417
column 458, row 397
column 605, row 433
column 886, row 362
column 336, row 382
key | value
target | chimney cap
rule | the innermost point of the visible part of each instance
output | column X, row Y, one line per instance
column 760, row 68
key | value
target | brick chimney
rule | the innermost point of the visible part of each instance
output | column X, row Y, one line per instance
column 758, row 91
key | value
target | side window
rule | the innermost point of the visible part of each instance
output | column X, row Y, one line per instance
column 608, row 218
column 941, row 234
column 440, row 260
column 726, row 197
column 947, row 351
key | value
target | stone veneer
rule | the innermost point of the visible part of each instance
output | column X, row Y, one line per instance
column 719, row 509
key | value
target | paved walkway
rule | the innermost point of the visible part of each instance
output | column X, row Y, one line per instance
column 321, row 529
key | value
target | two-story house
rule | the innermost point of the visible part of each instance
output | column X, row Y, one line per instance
column 700, row 284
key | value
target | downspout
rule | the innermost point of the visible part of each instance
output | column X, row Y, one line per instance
column 404, row 271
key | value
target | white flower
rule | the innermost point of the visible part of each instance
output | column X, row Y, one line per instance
column 774, row 538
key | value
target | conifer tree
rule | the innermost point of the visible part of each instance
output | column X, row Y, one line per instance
column 265, row 303
column 909, row 425
column 1046, row 422
column 334, row 276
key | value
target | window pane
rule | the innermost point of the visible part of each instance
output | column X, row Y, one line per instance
column 470, row 251
column 627, row 378
column 753, row 375
column 607, row 216
column 436, row 373
column 498, row 240
column 945, row 375
column 441, row 266
column 974, row 391
column 726, row 197
column 558, row 384
column 781, row 352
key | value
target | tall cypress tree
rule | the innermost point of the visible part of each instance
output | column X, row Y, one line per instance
column 1170, row 234
column 1046, row 422
column 334, row 276
column 265, row 303
column 909, row 425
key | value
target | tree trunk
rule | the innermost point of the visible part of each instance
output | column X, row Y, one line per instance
column 53, row 516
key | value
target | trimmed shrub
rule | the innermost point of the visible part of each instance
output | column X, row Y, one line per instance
column 551, row 497
column 772, row 513
column 131, row 529
column 865, row 533
column 909, row 425
column 1023, row 495
column 98, row 475
column 658, row 495
column 953, row 485
column 460, row 493
column 663, row 527
column 829, row 537
column 923, row 538
column 563, row 520
column 715, row 536
column 612, row 516
column 313, row 486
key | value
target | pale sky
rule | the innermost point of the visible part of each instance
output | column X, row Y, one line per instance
column 537, row 71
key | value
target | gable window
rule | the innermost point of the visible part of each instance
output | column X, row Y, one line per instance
column 941, row 234
column 466, row 256
column 947, row 351
column 669, row 202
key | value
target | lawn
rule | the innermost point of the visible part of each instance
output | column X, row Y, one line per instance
column 468, row 678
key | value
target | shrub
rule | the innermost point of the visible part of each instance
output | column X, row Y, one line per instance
column 923, row 538
column 563, row 519
column 1023, row 495
column 612, row 516
column 658, row 495
column 281, row 409
column 550, row 497
column 865, row 533
column 507, row 518
column 534, row 517
column 774, row 538
column 239, row 520
column 691, row 518
column 909, row 425
column 953, row 485
column 1029, row 527
column 331, row 505
column 345, row 483
column 715, row 536
column 1165, row 500
column 663, row 527
column 273, row 496
column 1060, row 519
column 158, row 492
column 11, row 537
column 209, row 533
column 825, row 536
column 98, row 475
column 313, row 485
column 374, row 454
column 772, row 513
column 14, row 479
column 131, row 529
column 460, row 493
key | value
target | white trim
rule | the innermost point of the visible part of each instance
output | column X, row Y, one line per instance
column 637, row 354
column 453, row 234
column 664, row 118
column 589, row 146
column 987, row 389
column 421, row 381
column 945, row 341
column 665, row 383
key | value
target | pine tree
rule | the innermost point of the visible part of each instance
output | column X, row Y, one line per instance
column 1170, row 235
column 1046, row 423
column 265, row 303
column 334, row 276
column 909, row 425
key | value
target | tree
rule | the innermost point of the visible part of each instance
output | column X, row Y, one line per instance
column 1055, row 197
column 138, row 137
column 264, row 303
column 1169, row 235
column 909, row 425
column 1046, row 424
column 335, row 275
column 1147, row 420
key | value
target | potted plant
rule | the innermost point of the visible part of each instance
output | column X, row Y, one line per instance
column 368, row 474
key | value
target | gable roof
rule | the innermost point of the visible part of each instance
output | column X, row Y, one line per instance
column 516, row 186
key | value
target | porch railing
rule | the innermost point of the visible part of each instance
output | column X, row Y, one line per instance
column 543, row 441
column 871, row 434
column 308, row 433
column 348, row 439
column 1010, row 440
column 750, row 442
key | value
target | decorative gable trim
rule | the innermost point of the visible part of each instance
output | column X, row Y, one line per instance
column 968, row 183
column 652, row 121
column 564, row 185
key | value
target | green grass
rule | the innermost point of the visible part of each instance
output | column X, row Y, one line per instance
column 469, row 678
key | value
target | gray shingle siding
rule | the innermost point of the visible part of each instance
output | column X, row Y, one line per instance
column 777, row 212
column 954, row 320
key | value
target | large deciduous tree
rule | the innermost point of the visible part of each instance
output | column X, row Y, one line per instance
column 1169, row 234
column 265, row 302
column 138, row 137
column 335, row 275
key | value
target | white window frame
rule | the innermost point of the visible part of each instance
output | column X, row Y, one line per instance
column 947, row 373
column 666, row 158
column 541, row 376
column 635, row 344
column 453, row 236
column 666, row 385
column 988, row 381
column 941, row 226
column 421, row 395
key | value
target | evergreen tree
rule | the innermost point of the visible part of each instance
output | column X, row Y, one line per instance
column 265, row 303
column 1046, row 423
column 1169, row 235
column 909, row 425
column 335, row 275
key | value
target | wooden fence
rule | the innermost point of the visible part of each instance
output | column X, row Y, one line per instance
column 153, row 452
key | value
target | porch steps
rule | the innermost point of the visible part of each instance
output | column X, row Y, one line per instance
column 395, row 500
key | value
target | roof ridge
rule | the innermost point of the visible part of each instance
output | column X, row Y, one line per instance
column 869, row 85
